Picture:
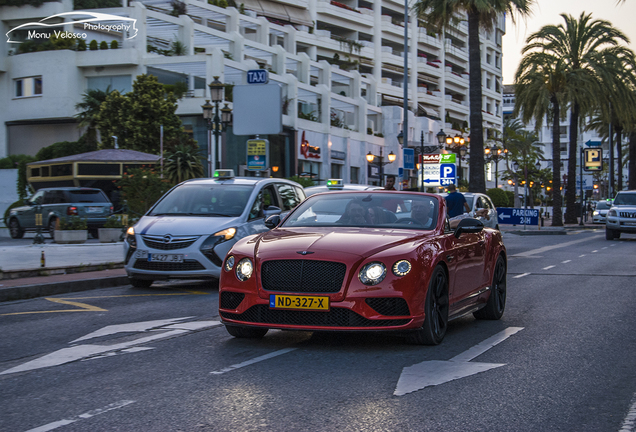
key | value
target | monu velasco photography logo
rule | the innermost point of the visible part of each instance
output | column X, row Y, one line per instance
column 94, row 21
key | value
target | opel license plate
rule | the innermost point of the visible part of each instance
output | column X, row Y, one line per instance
column 277, row 301
column 173, row 258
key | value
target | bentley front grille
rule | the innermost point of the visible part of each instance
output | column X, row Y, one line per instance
column 306, row 276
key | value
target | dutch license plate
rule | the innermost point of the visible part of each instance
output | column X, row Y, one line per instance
column 173, row 258
column 94, row 210
column 277, row 301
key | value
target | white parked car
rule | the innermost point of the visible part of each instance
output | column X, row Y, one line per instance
column 477, row 201
column 188, row 232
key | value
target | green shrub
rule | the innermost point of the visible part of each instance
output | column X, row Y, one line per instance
column 81, row 45
column 511, row 198
column 304, row 182
column 72, row 223
column 114, row 44
column 114, row 221
column 103, row 45
column 93, row 45
column 498, row 197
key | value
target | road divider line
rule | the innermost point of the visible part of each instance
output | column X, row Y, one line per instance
column 557, row 246
column 93, row 413
column 630, row 420
column 254, row 360
column 594, row 251
column 548, row 267
column 565, row 262
column 581, row 256
column 521, row 275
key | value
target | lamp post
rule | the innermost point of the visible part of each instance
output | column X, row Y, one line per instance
column 456, row 145
column 495, row 154
column 380, row 162
column 213, row 118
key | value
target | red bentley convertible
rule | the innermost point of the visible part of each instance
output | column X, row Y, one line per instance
column 360, row 261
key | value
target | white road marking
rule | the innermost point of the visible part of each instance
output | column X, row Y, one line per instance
column 565, row 262
column 557, row 246
column 521, row 275
column 604, row 247
column 93, row 413
column 436, row 372
column 548, row 267
column 630, row 420
column 254, row 360
column 581, row 256
column 594, row 251
column 129, row 327
column 82, row 352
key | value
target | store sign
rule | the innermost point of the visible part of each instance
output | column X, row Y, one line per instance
column 438, row 158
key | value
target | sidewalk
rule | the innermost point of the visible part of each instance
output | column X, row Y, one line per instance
column 71, row 268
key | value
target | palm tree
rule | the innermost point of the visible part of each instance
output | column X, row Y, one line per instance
column 183, row 163
column 589, row 50
column 523, row 150
column 89, row 108
column 481, row 14
column 512, row 130
column 540, row 85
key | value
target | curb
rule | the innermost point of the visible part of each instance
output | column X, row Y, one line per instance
column 24, row 292
column 51, row 271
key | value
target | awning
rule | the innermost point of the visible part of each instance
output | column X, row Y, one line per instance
column 430, row 112
column 299, row 16
column 274, row 10
column 252, row 5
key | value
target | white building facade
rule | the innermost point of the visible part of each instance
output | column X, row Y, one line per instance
column 340, row 66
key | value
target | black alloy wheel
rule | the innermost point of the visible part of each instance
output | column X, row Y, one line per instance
column 496, row 304
column 14, row 229
column 246, row 332
column 436, row 311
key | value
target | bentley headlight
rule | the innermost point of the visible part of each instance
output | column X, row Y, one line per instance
column 244, row 269
column 229, row 263
column 401, row 267
column 372, row 273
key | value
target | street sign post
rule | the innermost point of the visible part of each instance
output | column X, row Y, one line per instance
column 439, row 169
column 409, row 158
column 517, row 216
column 593, row 159
column 257, row 152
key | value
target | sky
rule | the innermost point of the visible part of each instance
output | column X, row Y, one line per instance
column 546, row 12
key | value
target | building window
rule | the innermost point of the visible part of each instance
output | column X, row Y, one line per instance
column 122, row 83
column 336, row 171
column 27, row 87
column 355, row 175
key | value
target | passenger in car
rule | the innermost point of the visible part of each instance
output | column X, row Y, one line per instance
column 354, row 214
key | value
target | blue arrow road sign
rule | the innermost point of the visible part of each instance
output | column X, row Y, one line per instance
column 591, row 143
column 517, row 216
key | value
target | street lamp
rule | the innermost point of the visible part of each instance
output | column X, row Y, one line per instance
column 456, row 145
column 380, row 162
column 495, row 154
column 212, row 117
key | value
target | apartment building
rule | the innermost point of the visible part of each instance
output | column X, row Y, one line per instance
column 339, row 65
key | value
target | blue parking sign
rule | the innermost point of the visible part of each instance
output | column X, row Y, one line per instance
column 447, row 174
column 409, row 158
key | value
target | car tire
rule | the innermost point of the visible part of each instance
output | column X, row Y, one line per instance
column 246, row 332
column 436, row 308
column 496, row 303
column 15, row 230
column 52, row 225
column 141, row 283
column 610, row 234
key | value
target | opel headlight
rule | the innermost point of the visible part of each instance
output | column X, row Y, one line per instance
column 130, row 237
column 401, row 268
column 372, row 273
column 227, row 234
column 217, row 238
column 244, row 269
column 595, row 213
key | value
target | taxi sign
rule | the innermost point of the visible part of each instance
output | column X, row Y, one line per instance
column 224, row 174
column 334, row 184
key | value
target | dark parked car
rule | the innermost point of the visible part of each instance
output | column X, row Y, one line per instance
column 61, row 203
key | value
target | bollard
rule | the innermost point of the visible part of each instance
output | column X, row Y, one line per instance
column 42, row 260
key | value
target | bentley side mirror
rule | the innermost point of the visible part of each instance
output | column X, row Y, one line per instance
column 469, row 225
column 272, row 221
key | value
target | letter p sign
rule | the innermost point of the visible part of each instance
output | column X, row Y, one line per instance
column 447, row 171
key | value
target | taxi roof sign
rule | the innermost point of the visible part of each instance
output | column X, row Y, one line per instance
column 221, row 174
column 334, row 184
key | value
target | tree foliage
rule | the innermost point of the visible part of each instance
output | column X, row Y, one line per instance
column 65, row 148
column 183, row 163
column 498, row 197
column 135, row 117
column 141, row 188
